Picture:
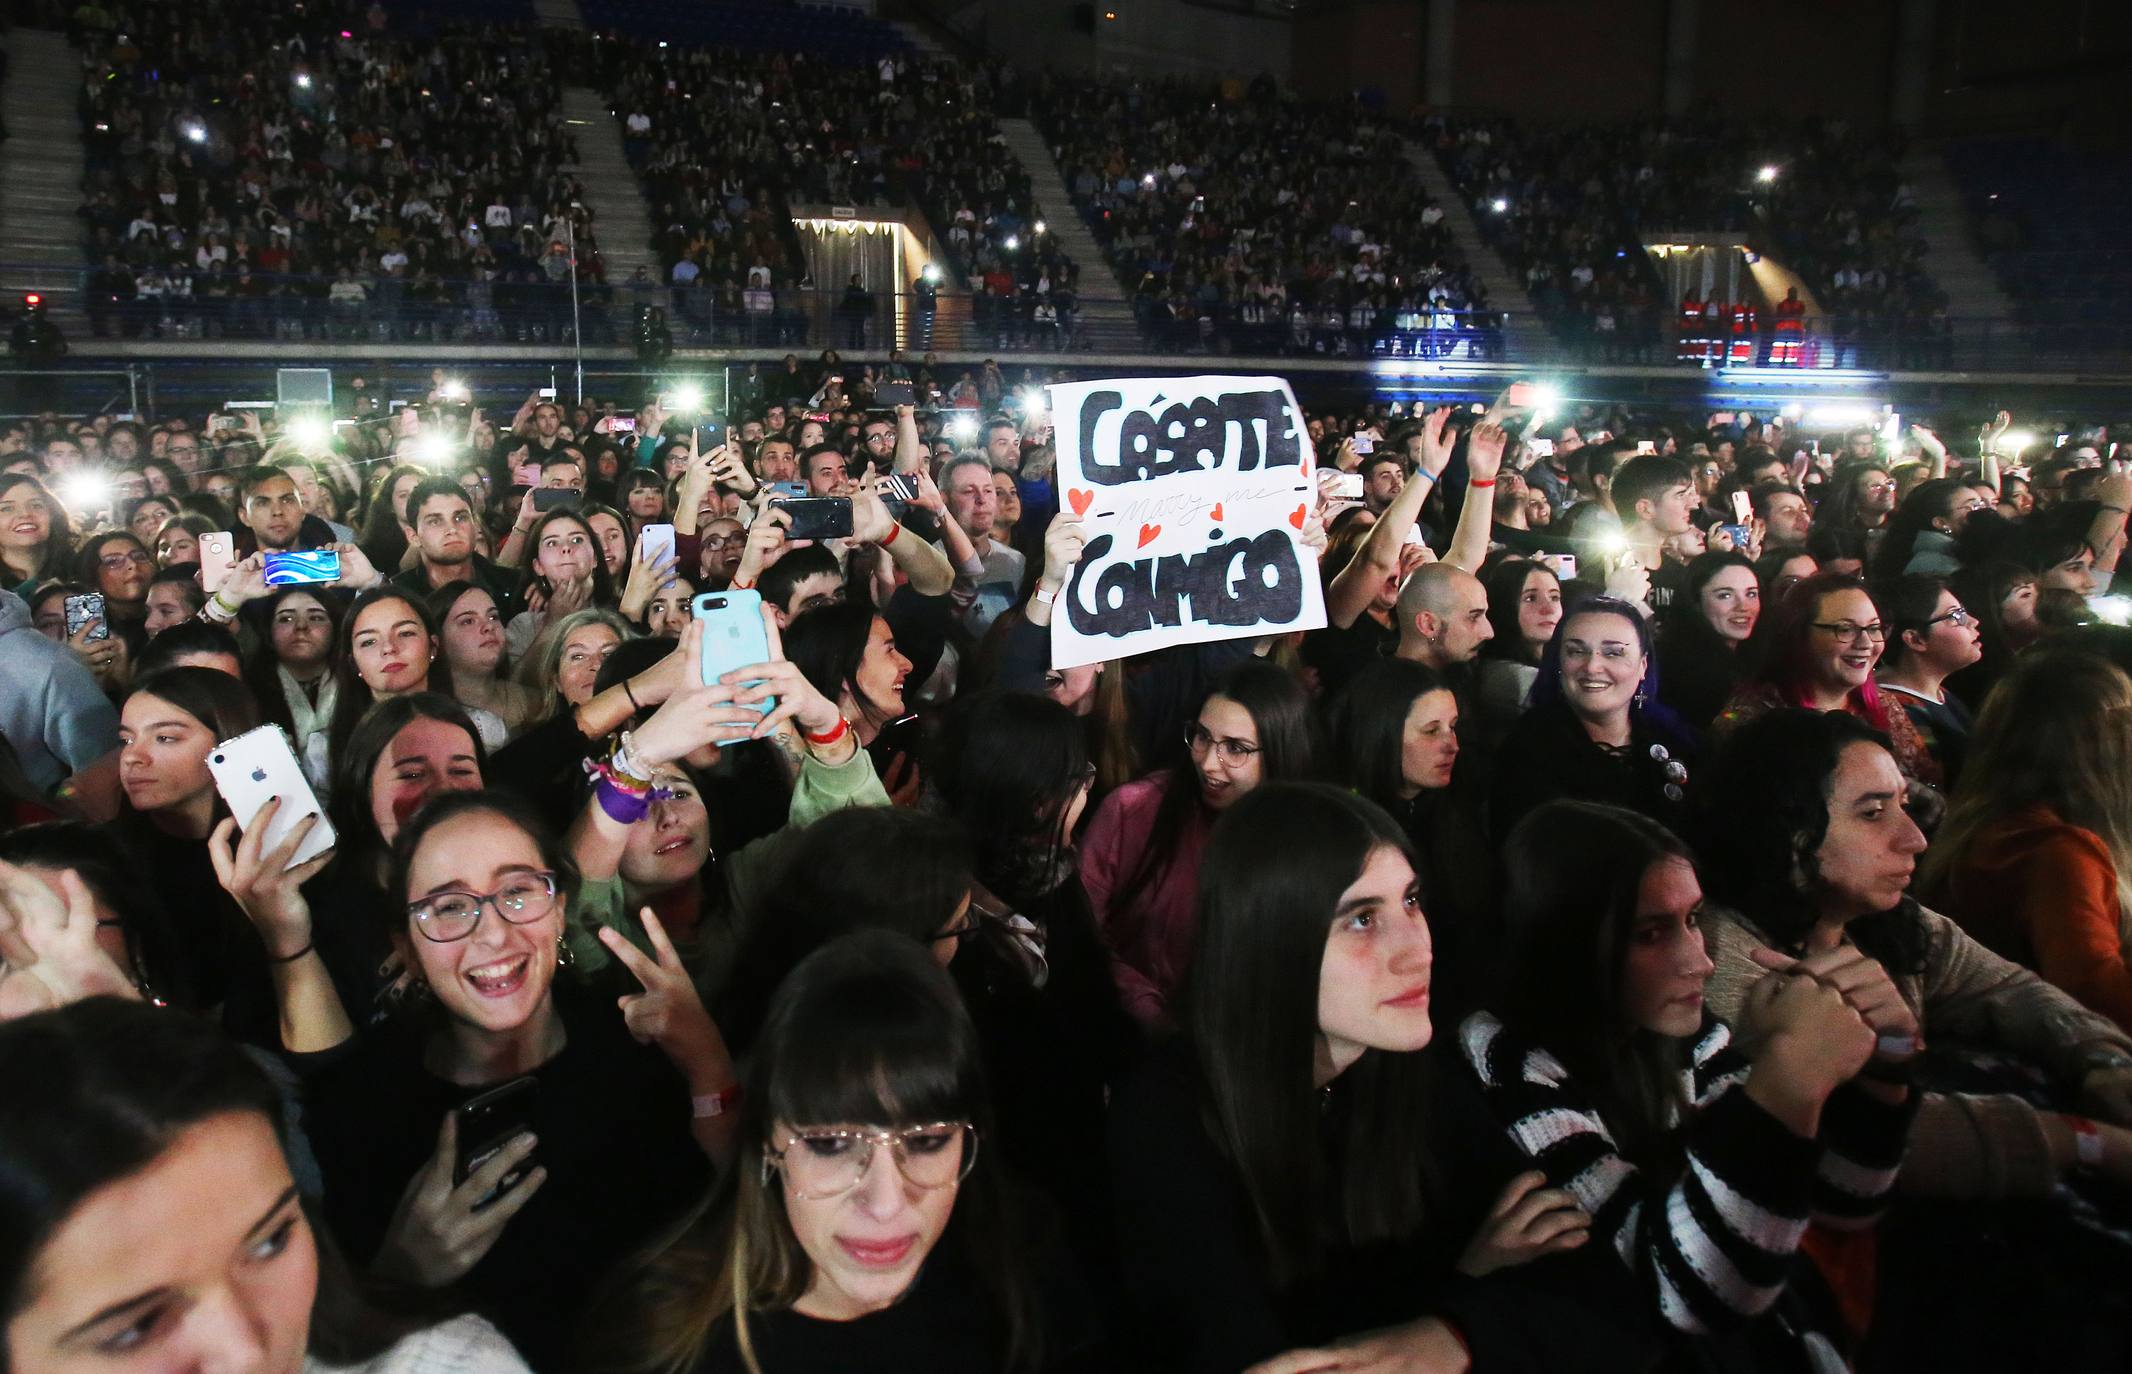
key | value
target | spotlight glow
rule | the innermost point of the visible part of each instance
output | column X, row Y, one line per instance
column 1013, row 242
column 85, row 493
column 1766, row 175
column 1499, row 205
column 434, row 449
column 962, row 427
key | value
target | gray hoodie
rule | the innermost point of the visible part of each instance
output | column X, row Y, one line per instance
column 51, row 709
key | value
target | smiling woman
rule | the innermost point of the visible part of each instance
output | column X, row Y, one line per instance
column 155, row 1223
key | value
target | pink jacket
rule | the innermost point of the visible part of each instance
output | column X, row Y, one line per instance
column 1153, row 928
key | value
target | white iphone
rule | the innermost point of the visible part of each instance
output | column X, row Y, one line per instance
column 218, row 559
column 654, row 543
column 254, row 768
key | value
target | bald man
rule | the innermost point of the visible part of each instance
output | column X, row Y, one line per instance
column 1443, row 616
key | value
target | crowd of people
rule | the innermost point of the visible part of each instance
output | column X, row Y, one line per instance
column 813, row 977
column 262, row 171
column 1571, row 209
column 1256, row 222
column 728, row 143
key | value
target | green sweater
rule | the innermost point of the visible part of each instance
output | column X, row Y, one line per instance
column 820, row 790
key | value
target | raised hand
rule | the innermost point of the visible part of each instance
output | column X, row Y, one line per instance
column 669, row 1012
column 1484, row 450
column 264, row 886
column 49, row 956
column 798, row 700
column 693, row 714
column 651, row 569
column 437, row 1233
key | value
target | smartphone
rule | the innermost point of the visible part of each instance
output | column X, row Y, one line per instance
column 488, row 1122
column 218, row 559
column 258, row 766
column 819, row 517
column 656, row 542
column 1742, row 508
column 622, row 424
column 1541, row 448
column 889, row 395
column 555, row 498
column 526, row 474
column 82, row 610
column 1644, row 446
column 1363, row 444
column 1344, row 486
column 1564, row 564
column 1520, row 396
column 902, row 486
column 901, row 736
column 547, row 393
column 793, row 491
column 220, row 424
column 733, row 635
column 302, row 567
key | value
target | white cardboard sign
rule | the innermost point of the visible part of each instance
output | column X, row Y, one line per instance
column 1194, row 492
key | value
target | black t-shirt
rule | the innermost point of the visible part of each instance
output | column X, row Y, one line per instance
column 1338, row 654
column 945, row 1324
column 614, row 1122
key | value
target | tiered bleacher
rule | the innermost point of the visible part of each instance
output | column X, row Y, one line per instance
column 2051, row 221
column 1256, row 222
column 261, row 170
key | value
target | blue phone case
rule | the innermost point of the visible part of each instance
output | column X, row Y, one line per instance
column 733, row 635
column 302, row 567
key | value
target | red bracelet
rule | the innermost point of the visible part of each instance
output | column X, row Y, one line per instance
column 893, row 530
column 829, row 737
column 1482, row 486
column 736, row 585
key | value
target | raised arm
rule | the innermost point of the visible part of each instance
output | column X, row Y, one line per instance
column 925, row 566
column 1356, row 586
column 271, row 896
column 1476, row 519
column 910, row 453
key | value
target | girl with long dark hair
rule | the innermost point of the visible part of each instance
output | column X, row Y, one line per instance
column 1525, row 603
column 1288, row 1173
column 1595, row 730
column 36, row 542
column 1682, row 1138
column 1140, row 858
column 1705, row 644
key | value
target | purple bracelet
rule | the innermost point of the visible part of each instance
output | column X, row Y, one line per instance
column 623, row 808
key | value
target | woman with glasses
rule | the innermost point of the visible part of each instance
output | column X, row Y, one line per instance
column 864, row 1223
column 119, row 566
column 601, row 1140
column 1140, row 859
column 1821, row 641
column 1931, row 637
column 723, row 542
column 2034, row 856
column 1595, row 731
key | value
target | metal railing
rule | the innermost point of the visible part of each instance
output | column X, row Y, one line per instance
column 648, row 317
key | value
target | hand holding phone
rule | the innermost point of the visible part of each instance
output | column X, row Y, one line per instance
column 302, row 567
column 218, row 559
column 86, row 611
column 260, row 766
column 819, row 517
column 733, row 636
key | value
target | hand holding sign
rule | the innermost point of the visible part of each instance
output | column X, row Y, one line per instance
column 1194, row 499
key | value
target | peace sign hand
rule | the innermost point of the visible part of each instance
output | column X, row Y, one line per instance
column 669, row 1012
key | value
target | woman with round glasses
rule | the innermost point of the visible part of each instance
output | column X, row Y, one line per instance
column 1140, row 857
column 602, row 1152
column 119, row 566
column 1931, row 636
column 1820, row 643
column 861, row 1225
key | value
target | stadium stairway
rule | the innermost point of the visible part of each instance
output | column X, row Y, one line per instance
column 611, row 188
column 1951, row 256
column 1522, row 335
column 1106, row 311
column 40, row 180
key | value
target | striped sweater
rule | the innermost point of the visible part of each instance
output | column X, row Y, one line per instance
column 1713, row 1239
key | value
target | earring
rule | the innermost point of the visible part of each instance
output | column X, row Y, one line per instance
column 564, row 957
column 1639, row 698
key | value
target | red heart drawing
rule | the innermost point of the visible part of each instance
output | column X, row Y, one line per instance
column 1148, row 534
column 1297, row 516
column 1079, row 500
column 1216, row 512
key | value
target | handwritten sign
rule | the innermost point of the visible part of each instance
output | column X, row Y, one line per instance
column 1194, row 492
